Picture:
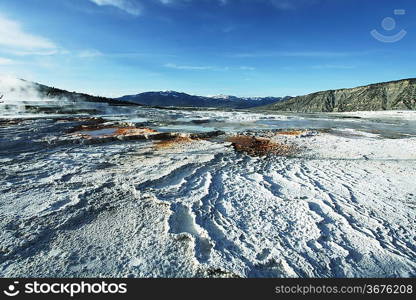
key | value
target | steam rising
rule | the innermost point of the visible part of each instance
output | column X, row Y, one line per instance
column 20, row 97
column 15, row 91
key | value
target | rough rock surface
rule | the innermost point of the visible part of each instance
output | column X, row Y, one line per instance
column 394, row 95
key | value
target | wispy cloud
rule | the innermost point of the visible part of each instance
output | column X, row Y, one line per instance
column 279, row 4
column 40, row 52
column 90, row 53
column 293, row 54
column 191, row 68
column 14, row 39
column 6, row 61
column 135, row 7
column 291, row 4
column 172, row 2
column 246, row 68
column 129, row 6
column 207, row 68
column 340, row 67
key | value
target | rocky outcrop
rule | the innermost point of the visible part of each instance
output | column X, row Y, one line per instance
column 394, row 95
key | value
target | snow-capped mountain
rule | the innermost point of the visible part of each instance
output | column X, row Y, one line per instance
column 172, row 98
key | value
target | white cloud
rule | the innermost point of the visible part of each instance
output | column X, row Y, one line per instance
column 90, row 53
column 340, row 67
column 289, row 4
column 135, row 7
column 6, row 61
column 45, row 52
column 317, row 54
column 129, row 6
column 195, row 68
column 245, row 68
column 13, row 39
column 208, row 68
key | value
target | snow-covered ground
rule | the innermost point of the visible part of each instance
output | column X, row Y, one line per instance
column 399, row 114
column 343, row 206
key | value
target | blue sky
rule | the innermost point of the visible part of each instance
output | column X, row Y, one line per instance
column 207, row 47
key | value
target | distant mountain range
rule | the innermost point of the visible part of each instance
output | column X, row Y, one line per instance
column 393, row 95
column 172, row 98
column 153, row 99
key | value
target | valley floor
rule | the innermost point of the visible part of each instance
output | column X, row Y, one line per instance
column 344, row 205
